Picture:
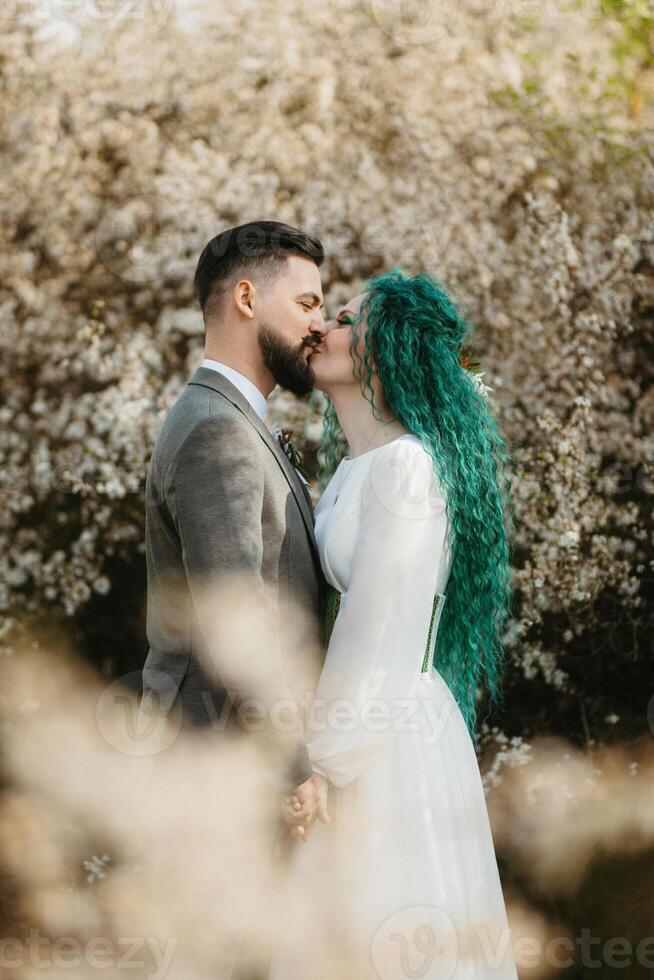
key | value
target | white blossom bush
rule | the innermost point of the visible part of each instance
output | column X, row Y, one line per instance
column 510, row 157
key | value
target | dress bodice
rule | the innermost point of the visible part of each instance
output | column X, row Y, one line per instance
column 402, row 469
column 382, row 533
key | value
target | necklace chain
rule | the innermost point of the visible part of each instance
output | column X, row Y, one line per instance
column 375, row 433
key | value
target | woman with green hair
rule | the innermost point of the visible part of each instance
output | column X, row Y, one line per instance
column 412, row 529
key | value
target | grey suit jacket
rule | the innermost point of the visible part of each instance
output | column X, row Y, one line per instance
column 224, row 501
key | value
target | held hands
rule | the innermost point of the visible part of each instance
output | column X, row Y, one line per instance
column 307, row 802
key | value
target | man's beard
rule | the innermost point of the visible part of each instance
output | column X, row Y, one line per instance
column 286, row 363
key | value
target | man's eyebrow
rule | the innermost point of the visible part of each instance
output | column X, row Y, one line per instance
column 315, row 299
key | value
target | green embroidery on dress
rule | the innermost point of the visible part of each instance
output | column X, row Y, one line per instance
column 436, row 613
column 332, row 603
column 425, row 662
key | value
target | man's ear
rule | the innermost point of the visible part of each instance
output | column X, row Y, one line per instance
column 243, row 295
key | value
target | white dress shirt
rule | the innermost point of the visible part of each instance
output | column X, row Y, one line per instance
column 249, row 390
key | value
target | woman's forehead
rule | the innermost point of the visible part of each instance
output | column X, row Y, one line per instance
column 354, row 304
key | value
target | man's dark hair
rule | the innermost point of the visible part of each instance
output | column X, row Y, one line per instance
column 258, row 246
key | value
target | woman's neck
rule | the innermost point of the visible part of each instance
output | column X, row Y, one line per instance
column 361, row 428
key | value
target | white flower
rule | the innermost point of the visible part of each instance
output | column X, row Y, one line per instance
column 482, row 388
column 96, row 866
column 102, row 585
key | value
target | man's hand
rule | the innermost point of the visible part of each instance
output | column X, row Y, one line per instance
column 308, row 801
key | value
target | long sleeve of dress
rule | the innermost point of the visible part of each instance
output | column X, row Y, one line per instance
column 377, row 647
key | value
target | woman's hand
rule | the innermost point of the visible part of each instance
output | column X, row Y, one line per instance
column 308, row 801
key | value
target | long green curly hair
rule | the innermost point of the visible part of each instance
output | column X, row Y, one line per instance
column 414, row 335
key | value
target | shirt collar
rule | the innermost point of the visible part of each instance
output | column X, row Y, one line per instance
column 249, row 390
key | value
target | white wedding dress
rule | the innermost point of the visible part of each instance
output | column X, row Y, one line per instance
column 405, row 875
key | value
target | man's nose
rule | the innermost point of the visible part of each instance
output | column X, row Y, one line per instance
column 318, row 324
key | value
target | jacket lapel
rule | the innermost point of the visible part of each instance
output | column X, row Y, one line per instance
column 209, row 378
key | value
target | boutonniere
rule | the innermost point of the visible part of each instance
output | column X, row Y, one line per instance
column 291, row 451
column 469, row 362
